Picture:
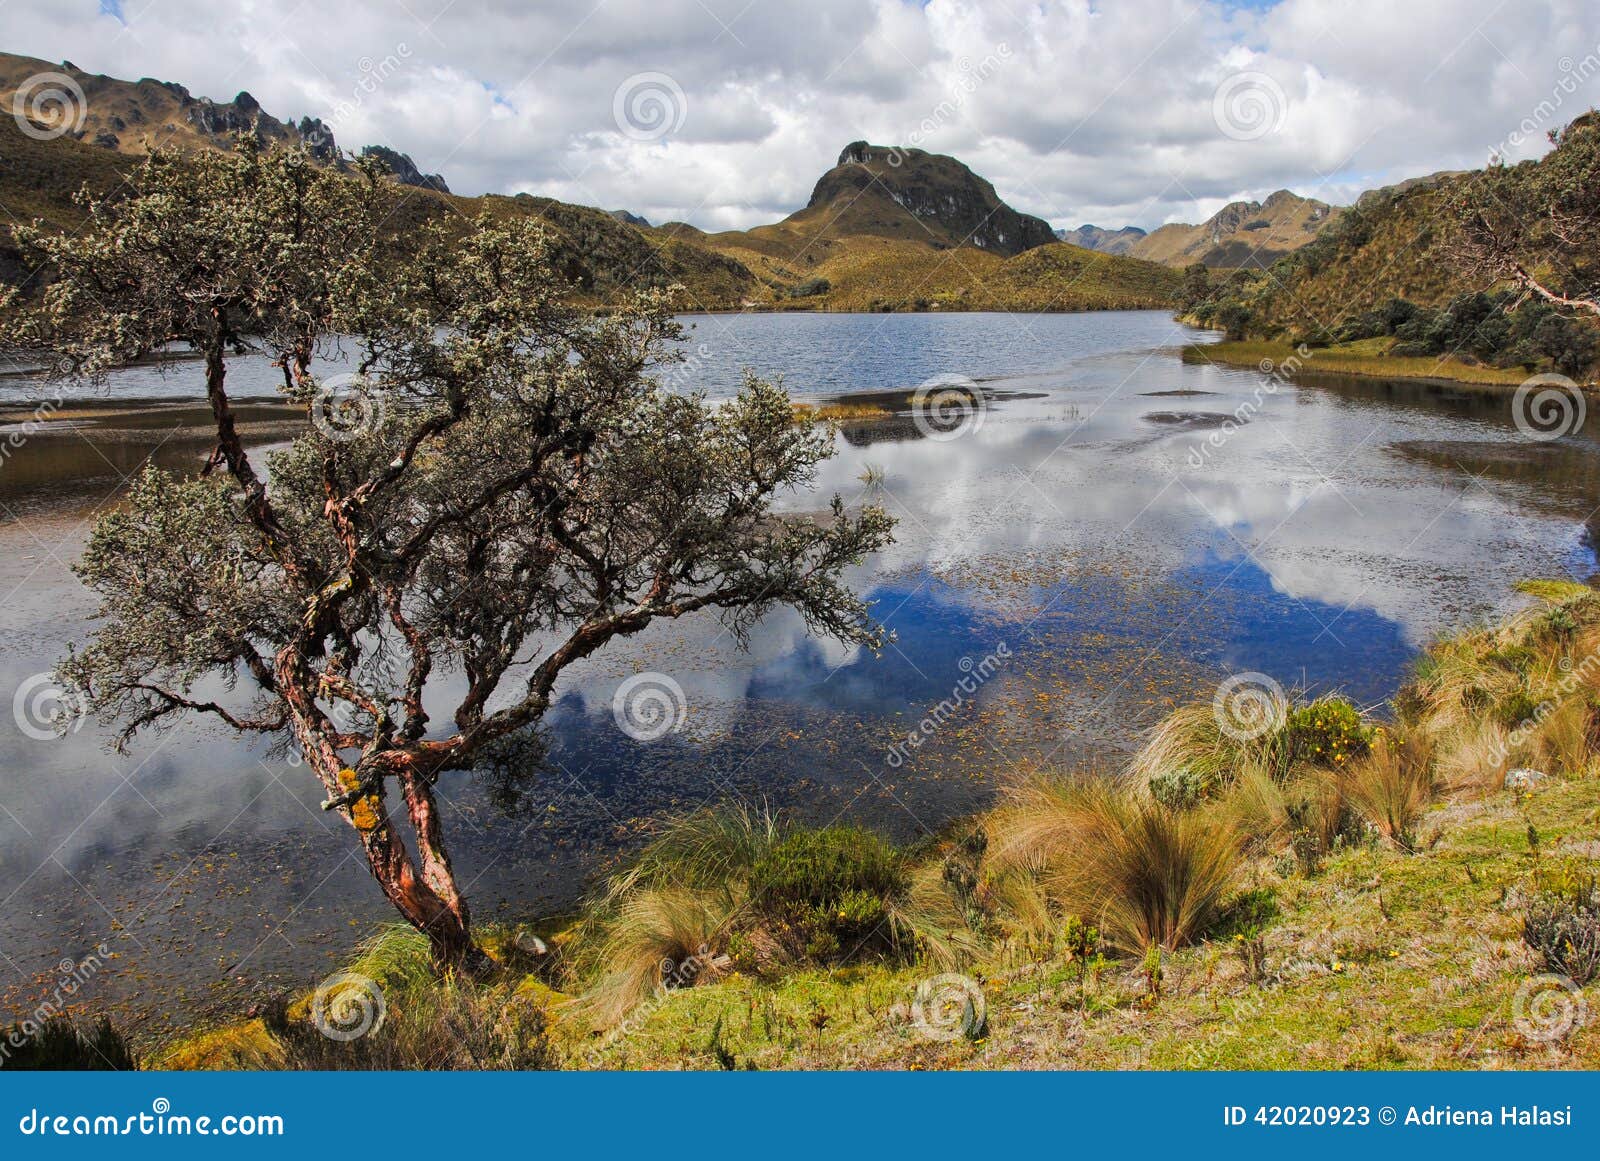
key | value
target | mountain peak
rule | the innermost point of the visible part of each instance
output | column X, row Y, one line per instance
column 909, row 193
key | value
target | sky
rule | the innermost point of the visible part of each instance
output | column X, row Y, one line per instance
column 723, row 113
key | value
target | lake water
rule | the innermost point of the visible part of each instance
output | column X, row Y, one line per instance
column 1093, row 543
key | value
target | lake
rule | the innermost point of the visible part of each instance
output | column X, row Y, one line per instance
column 1098, row 541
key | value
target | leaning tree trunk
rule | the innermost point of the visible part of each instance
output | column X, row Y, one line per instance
column 430, row 900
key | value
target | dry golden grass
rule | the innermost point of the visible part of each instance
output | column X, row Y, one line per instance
column 1109, row 854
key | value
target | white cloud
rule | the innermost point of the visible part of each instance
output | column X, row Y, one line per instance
column 1096, row 112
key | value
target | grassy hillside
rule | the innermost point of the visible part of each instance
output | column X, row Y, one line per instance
column 885, row 229
column 1388, row 284
column 1241, row 234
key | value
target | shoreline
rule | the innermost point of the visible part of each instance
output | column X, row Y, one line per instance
column 1275, row 357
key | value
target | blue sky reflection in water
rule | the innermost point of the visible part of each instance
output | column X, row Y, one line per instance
column 1077, row 525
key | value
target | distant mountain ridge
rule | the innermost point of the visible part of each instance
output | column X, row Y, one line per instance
column 1120, row 241
column 134, row 117
column 1242, row 234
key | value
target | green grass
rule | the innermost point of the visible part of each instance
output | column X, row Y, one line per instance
column 1380, row 961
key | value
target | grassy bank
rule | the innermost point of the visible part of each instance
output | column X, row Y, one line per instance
column 1267, row 884
column 1365, row 357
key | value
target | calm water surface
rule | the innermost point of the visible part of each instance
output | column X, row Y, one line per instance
column 1094, row 534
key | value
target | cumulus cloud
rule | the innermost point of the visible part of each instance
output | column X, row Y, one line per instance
column 1076, row 111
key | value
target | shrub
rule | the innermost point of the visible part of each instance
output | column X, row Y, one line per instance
column 1562, row 926
column 1328, row 732
column 1179, row 789
column 829, row 890
column 60, row 1044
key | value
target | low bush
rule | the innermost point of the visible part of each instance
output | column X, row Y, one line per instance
column 1562, row 926
column 1327, row 732
column 828, row 891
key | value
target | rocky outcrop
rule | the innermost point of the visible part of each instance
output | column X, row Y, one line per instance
column 1105, row 241
column 404, row 169
column 951, row 204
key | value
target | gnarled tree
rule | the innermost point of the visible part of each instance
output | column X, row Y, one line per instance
column 496, row 491
column 1537, row 224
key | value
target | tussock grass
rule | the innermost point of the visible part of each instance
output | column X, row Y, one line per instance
column 1143, row 873
column 1391, row 786
column 1521, row 693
